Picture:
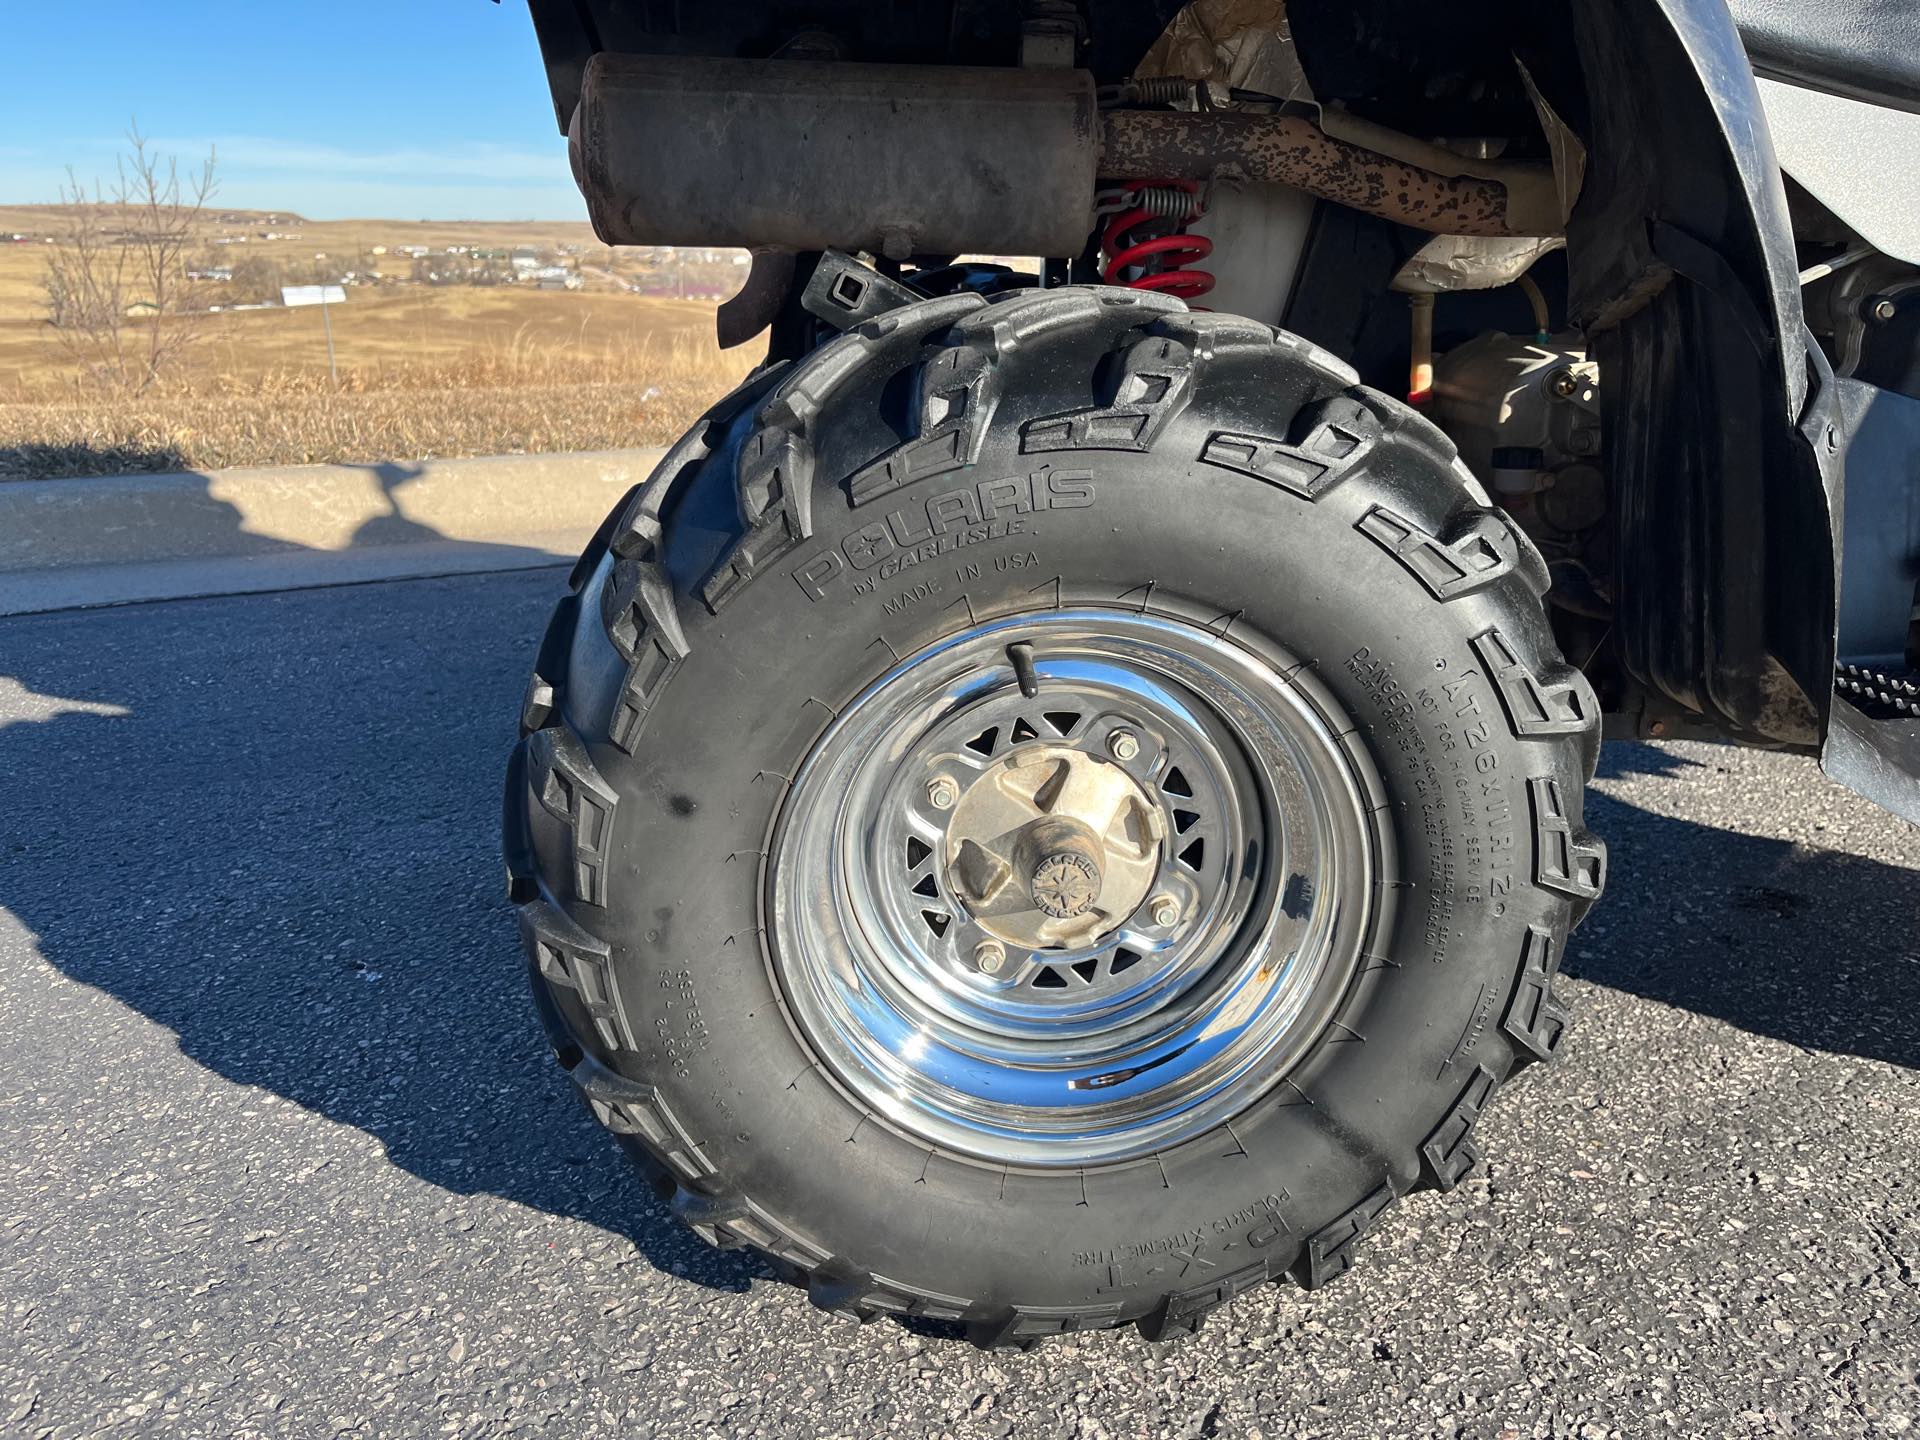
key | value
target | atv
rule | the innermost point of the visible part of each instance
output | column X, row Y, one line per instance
column 1061, row 798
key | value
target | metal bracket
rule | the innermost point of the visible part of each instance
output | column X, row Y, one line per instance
column 844, row 293
column 744, row 316
column 1051, row 34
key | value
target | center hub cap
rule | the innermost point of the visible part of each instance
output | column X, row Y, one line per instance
column 1064, row 885
column 1052, row 846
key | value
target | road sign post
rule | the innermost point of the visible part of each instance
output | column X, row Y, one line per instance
column 323, row 296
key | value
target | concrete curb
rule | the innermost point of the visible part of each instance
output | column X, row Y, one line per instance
column 145, row 519
column 68, row 544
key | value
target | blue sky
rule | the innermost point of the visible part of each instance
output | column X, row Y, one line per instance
column 404, row 109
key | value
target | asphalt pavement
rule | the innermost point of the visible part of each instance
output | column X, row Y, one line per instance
column 281, row 1151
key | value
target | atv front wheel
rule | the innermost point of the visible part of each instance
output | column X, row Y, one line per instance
column 1048, row 813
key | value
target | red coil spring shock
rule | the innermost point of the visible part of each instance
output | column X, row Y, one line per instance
column 1163, row 262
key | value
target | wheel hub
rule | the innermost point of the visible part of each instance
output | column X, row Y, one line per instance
column 1024, row 894
column 1053, row 846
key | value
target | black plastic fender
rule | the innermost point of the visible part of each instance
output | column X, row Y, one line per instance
column 1723, row 449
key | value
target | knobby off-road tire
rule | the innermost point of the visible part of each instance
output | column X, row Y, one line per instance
column 957, row 463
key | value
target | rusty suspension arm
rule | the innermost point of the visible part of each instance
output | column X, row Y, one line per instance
column 1291, row 150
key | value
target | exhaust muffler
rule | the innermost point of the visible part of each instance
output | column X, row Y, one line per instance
column 895, row 160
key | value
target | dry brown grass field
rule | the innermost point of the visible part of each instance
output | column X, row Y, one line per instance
column 424, row 371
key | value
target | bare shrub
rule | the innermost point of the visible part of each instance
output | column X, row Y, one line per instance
column 118, row 294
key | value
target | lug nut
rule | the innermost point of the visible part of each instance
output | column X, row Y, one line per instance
column 1123, row 745
column 1165, row 911
column 989, row 956
column 942, row 792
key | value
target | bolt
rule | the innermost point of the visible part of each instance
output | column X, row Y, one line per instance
column 989, row 956
column 1563, row 383
column 942, row 792
column 1165, row 911
column 1884, row 309
column 1123, row 745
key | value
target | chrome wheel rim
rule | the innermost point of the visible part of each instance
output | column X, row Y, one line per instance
column 1070, row 888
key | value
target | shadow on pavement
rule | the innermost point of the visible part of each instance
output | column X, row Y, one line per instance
column 394, row 528
column 1814, row 947
column 285, row 852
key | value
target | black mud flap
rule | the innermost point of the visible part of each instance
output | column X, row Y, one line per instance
column 1878, row 758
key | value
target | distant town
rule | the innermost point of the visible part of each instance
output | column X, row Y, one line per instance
column 244, row 259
